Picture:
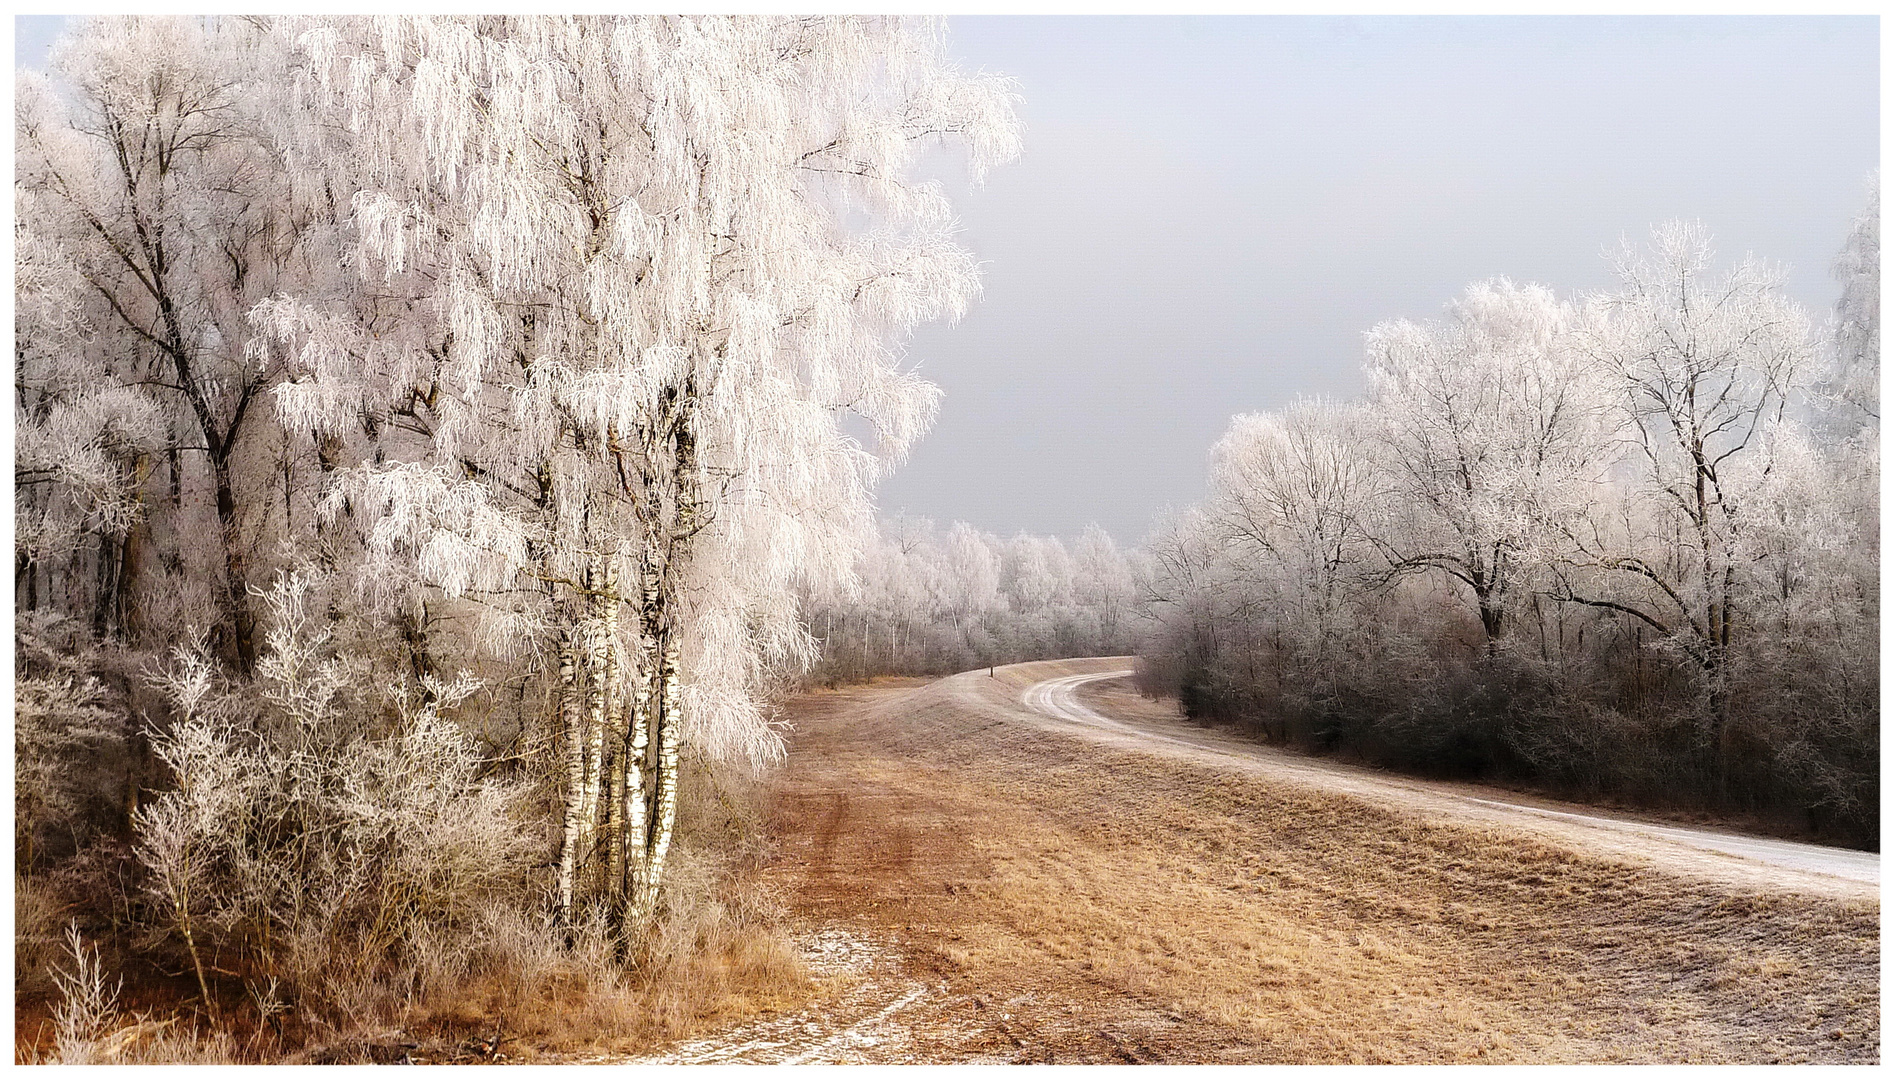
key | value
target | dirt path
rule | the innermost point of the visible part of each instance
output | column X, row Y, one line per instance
column 976, row 881
column 1803, row 867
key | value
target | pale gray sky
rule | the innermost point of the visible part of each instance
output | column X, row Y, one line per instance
column 32, row 36
column 1211, row 211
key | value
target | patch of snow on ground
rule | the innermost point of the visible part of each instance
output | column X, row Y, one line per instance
column 829, row 953
column 837, row 1032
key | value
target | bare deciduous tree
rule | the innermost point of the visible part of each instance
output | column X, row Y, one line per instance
column 1702, row 366
column 1491, row 423
column 1296, row 488
column 151, row 174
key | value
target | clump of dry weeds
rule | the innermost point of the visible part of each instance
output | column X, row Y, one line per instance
column 89, row 1025
column 503, row 984
column 719, row 951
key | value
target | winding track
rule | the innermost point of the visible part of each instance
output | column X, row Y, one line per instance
column 1056, row 698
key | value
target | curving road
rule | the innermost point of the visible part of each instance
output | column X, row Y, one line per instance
column 1671, row 845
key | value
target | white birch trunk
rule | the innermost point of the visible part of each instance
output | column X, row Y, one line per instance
column 665, row 797
column 637, row 794
column 569, row 717
column 595, row 732
column 616, row 738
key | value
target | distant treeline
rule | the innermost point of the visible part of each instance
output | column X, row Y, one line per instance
column 933, row 603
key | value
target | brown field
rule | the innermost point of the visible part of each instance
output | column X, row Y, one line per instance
column 945, row 878
column 1044, row 898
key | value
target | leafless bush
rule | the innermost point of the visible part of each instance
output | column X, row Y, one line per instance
column 304, row 828
column 88, row 1006
column 58, row 721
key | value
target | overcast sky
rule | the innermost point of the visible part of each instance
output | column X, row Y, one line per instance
column 1210, row 212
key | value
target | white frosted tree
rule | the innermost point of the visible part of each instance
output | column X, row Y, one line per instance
column 1292, row 491
column 1185, row 588
column 1803, row 674
column 1702, row 364
column 1856, row 386
column 82, row 438
column 1027, row 573
column 148, row 170
column 619, row 280
column 973, row 571
column 1492, row 433
column 1104, row 586
column 1858, row 328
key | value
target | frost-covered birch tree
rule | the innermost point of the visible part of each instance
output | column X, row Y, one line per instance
column 617, row 282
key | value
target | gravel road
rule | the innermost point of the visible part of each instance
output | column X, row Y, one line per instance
column 1717, row 853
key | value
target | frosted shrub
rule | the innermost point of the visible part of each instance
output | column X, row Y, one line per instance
column 321, row 821
column 88, row 1007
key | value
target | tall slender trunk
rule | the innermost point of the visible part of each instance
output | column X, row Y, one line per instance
column 105, row 588
column 131, row 561
column 1492, row 617
column 590, row 820
column 638, row 773
column 636, row 794
column 236, row 586
column 665, row 798
column 662, row 615
column 414, row 637
column 1539, row 624
column 26, row 581
column 614, row 795
column 569, row 718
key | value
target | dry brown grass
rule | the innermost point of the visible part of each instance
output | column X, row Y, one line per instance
column 1081, row 903
column 723, row 957
column 1282, row 923
column 721, row 953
